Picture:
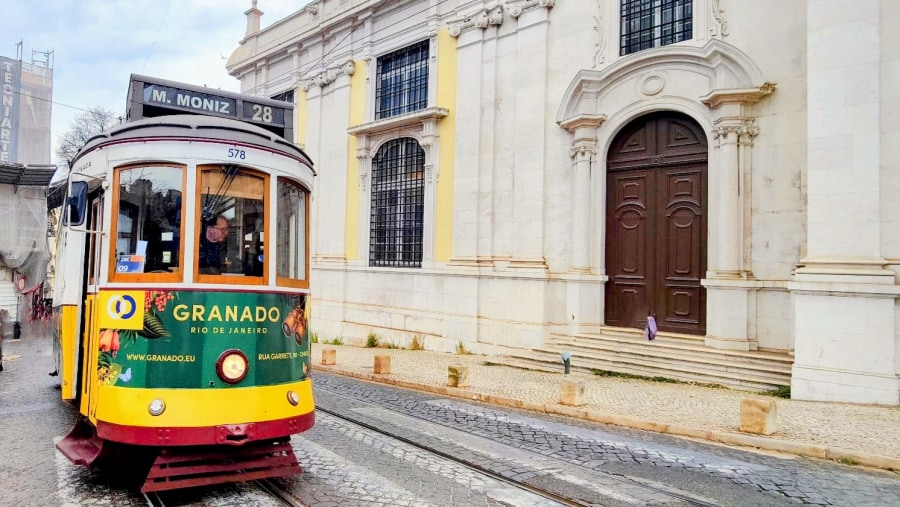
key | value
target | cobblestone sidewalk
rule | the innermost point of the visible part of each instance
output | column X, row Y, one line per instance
column 865, row 434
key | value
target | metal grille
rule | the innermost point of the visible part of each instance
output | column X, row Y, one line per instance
column 652, row 23
column 287, row 96
column 402, row 81
column 398, row 194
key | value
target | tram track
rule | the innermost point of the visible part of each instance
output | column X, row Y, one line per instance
column 275, row 490
column 486, row 471
column 449, row 457
column 268, row 486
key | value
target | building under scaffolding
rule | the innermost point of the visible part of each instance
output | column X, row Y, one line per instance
column 25, row 173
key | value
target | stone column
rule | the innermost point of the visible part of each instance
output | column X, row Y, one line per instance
column 844, row 298
column 583, row 153
column 584, row 289
column 730, row 289
column 727, row 195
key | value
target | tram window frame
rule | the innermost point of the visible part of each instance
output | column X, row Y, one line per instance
column 145, row 277
column 286, row 281
column 94, row 243
column 199, row 228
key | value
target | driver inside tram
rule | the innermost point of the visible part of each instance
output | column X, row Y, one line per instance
column 212, row 244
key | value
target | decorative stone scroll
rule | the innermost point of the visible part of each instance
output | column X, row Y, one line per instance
column 602, row 34
column 516, row 9
column 328, row 76
column 482, row 20
column 494, row 16
column 720, row 24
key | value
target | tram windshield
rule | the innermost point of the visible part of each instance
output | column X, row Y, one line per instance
column 233, row 214
column 148, row 223
column 228, row 238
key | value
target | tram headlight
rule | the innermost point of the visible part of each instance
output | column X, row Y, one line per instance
column 156, row 407
column 293, row 398
column 232, row 366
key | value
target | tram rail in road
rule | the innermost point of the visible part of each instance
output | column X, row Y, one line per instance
column 268, row 486
column 471, row 466
column 275, row 490
column 688, row 500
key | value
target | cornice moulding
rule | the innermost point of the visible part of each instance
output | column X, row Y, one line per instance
column 583, row 121
column 275, row 39
column 753, row 95
column 419, row 117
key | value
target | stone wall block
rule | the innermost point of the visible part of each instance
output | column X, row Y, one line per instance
column 329, row 356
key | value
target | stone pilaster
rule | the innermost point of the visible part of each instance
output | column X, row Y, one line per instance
column 583, row 153
column 844, row 299
column 584, row 289
column 730, row 291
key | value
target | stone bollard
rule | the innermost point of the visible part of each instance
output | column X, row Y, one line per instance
column 328, row 356
column 758, row 416
column 457, row 375
column 571, row 392
column 383, row 365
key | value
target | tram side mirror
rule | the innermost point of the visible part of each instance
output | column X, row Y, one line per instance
column 76, row 203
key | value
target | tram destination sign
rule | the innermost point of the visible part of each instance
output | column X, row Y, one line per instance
column 150, row 97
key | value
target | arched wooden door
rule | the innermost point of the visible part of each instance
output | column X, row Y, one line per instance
column 656, row 224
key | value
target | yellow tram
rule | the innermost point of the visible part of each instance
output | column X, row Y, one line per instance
column 183, row 286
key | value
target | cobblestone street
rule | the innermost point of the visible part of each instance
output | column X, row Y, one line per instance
column 686, row 465
column 347, row 466
column 859, row 431
column 31, row 417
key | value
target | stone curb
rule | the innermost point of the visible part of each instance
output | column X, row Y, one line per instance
column 724, row 437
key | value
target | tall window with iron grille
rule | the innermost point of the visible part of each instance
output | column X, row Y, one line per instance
column 398, row 198
column 649, row 24
column 402, row 81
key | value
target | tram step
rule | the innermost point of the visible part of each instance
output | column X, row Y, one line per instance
column 176, row 468
column 81, row 445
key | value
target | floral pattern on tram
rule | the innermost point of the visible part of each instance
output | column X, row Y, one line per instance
column 184, row 332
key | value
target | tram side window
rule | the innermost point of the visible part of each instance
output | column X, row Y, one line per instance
column 291, row 232
column 93, row 268
column 148, row 225
column 232, row 232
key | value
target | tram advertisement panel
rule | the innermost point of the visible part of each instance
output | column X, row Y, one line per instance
column 173, row 339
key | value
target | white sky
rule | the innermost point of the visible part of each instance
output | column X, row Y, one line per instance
column 98, row 44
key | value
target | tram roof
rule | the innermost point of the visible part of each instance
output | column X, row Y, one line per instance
column 194, row 126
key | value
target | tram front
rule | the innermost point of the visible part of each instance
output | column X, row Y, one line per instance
column 184, row 304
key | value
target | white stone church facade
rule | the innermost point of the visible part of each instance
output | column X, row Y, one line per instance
column 514, row 174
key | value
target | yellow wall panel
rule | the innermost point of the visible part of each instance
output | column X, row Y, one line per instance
column 357, row 117
column 446, row 98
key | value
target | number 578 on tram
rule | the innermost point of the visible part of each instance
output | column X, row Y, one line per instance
column 182, row 292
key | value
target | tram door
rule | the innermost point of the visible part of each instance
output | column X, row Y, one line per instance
column 89, row 351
